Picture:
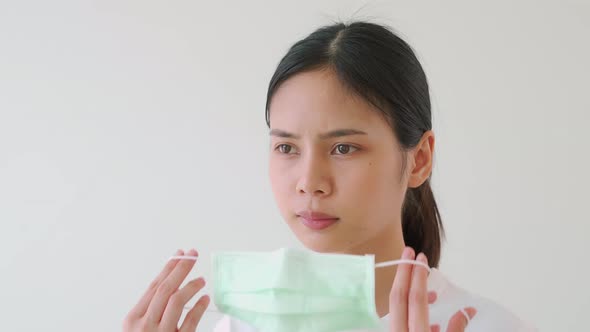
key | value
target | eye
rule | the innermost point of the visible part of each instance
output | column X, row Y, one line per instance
column 285, row 149
column 342, row 149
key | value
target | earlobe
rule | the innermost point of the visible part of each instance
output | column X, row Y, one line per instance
column 421, row 160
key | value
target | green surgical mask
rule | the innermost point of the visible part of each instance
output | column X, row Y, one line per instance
column 291, row 290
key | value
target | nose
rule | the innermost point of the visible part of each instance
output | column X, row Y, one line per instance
column 314, row 178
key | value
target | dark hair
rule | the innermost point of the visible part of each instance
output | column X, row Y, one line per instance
column 379, row 66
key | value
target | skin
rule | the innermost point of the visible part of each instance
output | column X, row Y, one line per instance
column 354, row 174
column 334, row 153
column 161, row 306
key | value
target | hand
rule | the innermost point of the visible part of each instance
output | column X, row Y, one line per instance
column 409, row 299
column 160, row 308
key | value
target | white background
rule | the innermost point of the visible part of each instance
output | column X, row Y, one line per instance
column 129, row 129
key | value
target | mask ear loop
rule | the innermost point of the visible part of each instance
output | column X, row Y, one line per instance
column 402, row 261
column 193, row 258
column 466, row 315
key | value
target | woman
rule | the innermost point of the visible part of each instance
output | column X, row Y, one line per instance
column 351, row 157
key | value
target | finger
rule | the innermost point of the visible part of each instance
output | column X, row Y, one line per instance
column 192, row 319
column 435, row 328
column 177, row 301
column 459, row 322
column 398, row 297
column 168, row 287
column 418, row 298
column 143, row 303
column 432, row 297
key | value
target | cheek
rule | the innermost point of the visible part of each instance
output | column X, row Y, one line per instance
column 373, row 189
column 280, row 183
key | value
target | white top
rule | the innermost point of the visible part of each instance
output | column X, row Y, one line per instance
column 490, row 316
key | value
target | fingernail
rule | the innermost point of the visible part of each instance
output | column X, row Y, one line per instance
column 469, row 313
column 178, row 252
column 408, row 253
column 422, row 257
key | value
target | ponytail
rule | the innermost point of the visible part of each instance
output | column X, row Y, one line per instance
column 422, row 224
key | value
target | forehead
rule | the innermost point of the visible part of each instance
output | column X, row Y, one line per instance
column 319, row 98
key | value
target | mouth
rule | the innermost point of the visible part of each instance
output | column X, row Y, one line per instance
column 316, row 220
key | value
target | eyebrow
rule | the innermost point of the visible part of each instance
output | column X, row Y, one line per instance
column 331, row 134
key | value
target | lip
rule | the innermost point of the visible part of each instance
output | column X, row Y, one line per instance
column 317, row 220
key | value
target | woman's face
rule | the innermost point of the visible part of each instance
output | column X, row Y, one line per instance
column 334, row 164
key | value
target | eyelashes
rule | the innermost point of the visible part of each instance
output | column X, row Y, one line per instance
column 339, row 149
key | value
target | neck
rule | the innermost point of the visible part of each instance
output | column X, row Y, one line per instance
column 387, row 245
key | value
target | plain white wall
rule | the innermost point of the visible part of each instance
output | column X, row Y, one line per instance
column 129, row 129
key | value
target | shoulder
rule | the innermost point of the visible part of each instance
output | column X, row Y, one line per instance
column 491, row 316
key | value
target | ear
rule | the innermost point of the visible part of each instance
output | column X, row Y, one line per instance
column 420, row 160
